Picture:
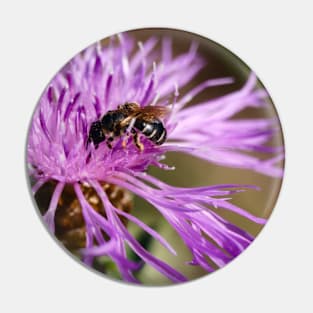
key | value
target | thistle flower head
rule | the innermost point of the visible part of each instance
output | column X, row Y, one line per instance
column 101, row 78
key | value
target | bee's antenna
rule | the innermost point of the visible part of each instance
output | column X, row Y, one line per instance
column 88, row 141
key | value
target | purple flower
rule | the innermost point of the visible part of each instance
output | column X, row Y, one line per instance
column 103, row 77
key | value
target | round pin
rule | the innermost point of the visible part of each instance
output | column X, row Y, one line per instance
column 155, row 156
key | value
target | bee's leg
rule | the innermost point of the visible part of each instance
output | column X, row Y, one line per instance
column 109, row 142
column 127, row 130
column 124, row 142
column 137, row 142
column 125, row 139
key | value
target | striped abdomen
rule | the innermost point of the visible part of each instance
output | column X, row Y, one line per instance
column 153, row 130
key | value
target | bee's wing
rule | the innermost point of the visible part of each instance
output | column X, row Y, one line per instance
column 152, row 112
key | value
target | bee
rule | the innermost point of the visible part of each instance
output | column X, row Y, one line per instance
column 133, row 119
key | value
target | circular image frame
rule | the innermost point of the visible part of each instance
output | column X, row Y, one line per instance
column 85, row 167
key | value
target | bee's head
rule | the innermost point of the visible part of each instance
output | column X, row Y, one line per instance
column 96, row 134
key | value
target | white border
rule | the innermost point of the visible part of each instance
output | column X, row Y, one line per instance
column 271, row 37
